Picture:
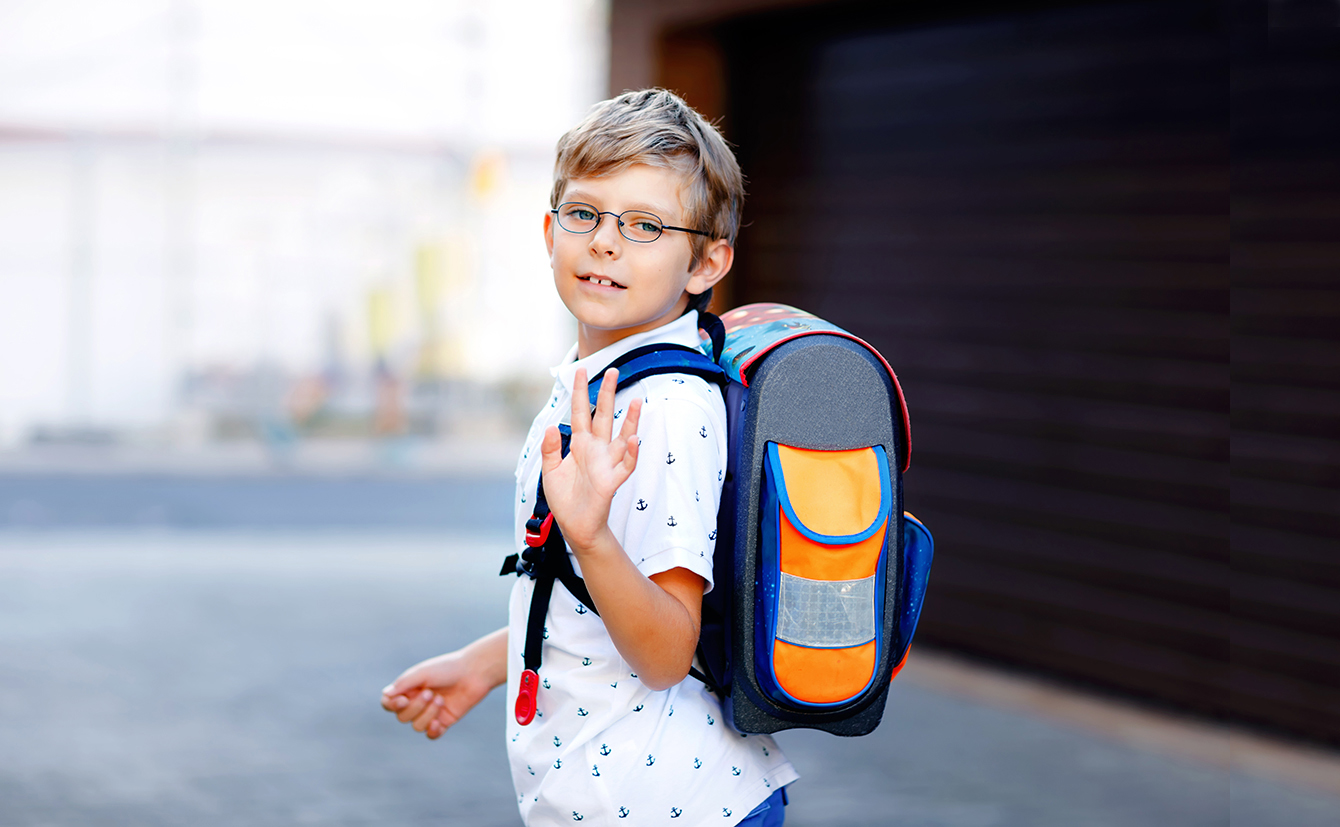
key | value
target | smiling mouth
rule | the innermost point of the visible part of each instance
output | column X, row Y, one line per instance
column 603, row 282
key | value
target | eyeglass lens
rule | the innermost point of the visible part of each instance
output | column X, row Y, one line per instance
column 634, row 225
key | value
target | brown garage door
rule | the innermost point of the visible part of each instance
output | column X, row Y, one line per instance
column 1026, row 210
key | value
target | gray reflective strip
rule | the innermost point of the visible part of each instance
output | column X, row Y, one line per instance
column 826, row 614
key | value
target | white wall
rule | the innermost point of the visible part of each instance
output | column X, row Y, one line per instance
column 206, row 185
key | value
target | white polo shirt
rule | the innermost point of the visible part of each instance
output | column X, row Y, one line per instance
column 604, row 749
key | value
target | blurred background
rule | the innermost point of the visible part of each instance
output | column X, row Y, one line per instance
column 275, row 313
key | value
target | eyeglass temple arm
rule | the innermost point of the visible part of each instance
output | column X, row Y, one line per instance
column 685, row 230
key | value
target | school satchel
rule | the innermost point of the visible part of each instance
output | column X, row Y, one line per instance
column 819, row 574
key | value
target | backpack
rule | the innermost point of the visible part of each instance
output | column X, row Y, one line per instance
column 819, row 574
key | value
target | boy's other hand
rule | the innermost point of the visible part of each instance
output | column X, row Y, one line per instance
column 579, row 488
column 433, row 695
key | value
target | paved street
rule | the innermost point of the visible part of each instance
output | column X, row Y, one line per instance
column 168, row 677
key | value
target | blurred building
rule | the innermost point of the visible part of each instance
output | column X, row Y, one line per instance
column 220, row 212
column 1025, row 207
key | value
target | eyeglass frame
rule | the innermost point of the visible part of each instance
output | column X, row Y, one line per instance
column 618, row 220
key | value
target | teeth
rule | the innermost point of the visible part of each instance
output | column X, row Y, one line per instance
column 605, row 282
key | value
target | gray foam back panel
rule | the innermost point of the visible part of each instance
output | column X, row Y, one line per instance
column 846, row 400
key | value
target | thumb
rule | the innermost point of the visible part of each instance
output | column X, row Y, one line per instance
column 551, row 450
column 408, row 680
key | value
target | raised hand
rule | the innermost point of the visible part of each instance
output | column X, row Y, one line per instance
column 579, row 488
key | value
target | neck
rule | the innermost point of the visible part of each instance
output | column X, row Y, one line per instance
column 592, row 339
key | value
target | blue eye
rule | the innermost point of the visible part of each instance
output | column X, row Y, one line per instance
column 581, row 214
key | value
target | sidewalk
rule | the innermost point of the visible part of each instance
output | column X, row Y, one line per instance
column 490, row 455
column 231, row 679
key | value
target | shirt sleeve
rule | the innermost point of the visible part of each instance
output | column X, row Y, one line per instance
column 673, row 494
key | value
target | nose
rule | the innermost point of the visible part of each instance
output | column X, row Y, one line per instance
column 605, row 238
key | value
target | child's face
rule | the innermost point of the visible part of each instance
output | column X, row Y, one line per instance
column 650, row 281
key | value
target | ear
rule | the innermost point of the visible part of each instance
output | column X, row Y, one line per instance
column 549, row 233
column 715, row 264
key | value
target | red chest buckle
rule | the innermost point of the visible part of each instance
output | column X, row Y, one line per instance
column 535, row 539
column 525, row 697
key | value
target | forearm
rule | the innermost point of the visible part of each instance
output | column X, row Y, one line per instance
column 488, row 656
column 654, row 631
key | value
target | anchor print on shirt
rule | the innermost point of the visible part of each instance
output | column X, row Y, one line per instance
column 671, row 522
column 605, row 749
column 581, row 610
column 545, row 683
column 614, row 685
column 586, row 661
column 765, row 752
column 558, row 763
column 713, row 535
column 641, row 505
column 623, row 812
column 696, row 498
column 557, row 741
column 702, row 432
column 720, row 473
column 734, row 770
column 529, row 770
column 651, row 759
column 677, row 381
column 581, row 712
column 637, row 708
column 711, row 720
column 669, row 458
column 595, row 771
column 675, row 812
column 672, row 711
column 725, row 812
column 697, row 765
column 546, row 634
column 576, row 816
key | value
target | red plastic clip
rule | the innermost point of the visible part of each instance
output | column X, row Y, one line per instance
column 542, row 536
column 525, row 697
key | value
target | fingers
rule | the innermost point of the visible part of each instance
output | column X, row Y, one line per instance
column 551, row 450
column 429, row 714
column 581, row 403
column 630, row 456
column 628, row 441
column 417, row 703
column 395, row 694
column 629, row 429
column 603, row 423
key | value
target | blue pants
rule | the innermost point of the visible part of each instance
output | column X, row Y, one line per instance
column 771, row 813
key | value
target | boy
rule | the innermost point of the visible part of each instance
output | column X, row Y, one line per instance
column 645, row 208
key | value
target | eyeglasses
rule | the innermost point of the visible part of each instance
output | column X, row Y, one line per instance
column 634, row 225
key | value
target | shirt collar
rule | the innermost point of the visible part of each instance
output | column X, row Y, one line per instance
column 681, row 331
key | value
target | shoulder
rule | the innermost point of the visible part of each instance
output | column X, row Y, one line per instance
column 676, row 392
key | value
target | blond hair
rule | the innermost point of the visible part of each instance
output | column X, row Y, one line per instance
column 657, row 128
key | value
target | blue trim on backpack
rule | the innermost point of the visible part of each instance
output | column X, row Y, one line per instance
column 885, row 502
